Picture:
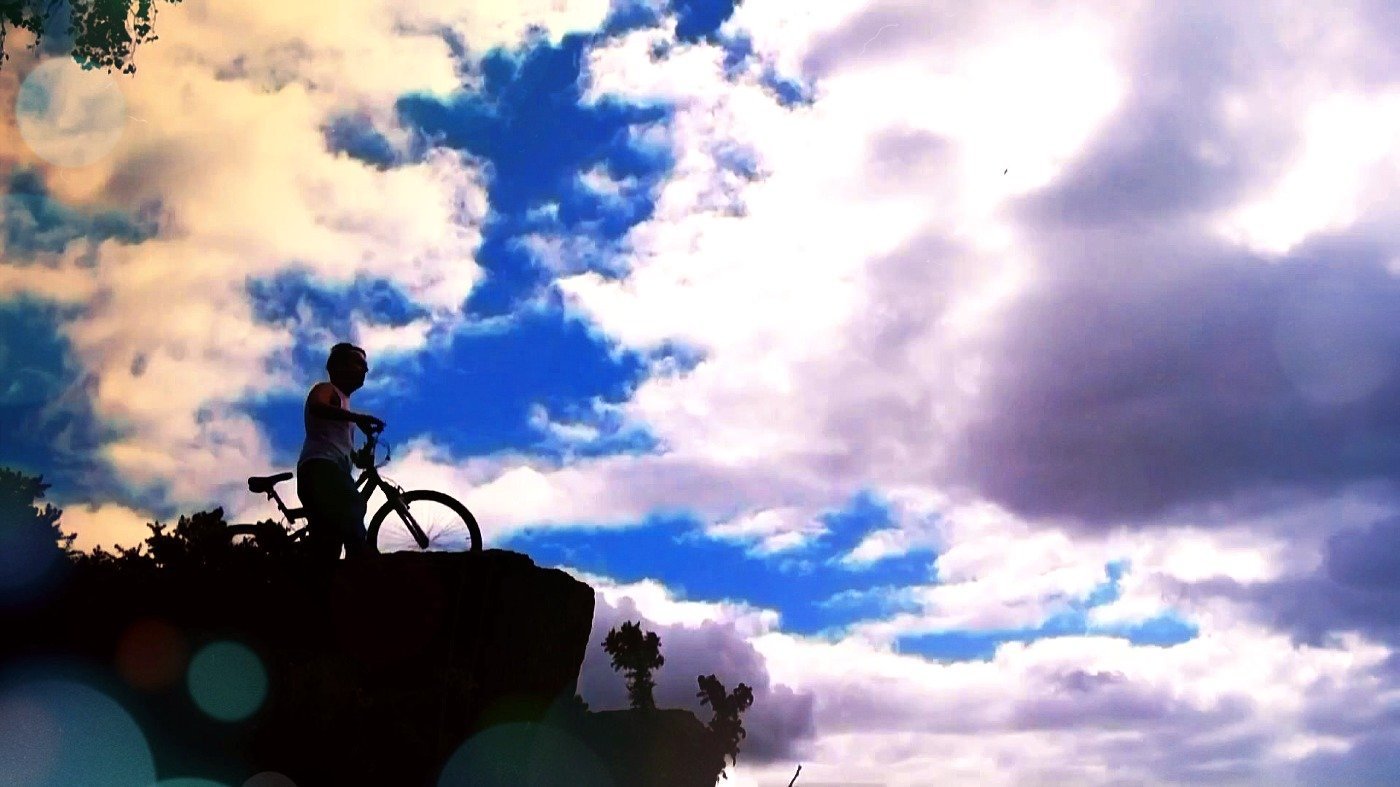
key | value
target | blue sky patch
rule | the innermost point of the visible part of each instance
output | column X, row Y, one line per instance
column 963, row 645
column 32, row 222
column 701, row 19
column 527, row 124
column 814, row 597
column 628, row 15
column 476, row 396
column 46, row 416
column 297, row 301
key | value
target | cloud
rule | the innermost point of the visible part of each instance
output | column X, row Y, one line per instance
column 1062, row 278
column 229, row 148
column 107, row 526
column 1354, row 589
column 1136, row 713
column 1156, row 364
column 36, row 225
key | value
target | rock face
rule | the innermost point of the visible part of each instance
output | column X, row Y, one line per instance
column 375, row 671
column 657, row 748
column 516, row 630
column 400, row 669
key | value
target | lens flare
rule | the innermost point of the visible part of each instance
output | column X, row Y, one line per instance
column 151, row 655
column 524, row 753
column 269, row 779
column 61, row 732
column 70, row 116
column 227, row 681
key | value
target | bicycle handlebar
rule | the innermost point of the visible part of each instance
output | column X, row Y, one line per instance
column 371, row 441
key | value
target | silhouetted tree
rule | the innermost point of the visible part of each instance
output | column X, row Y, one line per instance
column 637, row 654
column 726, row 725
column 32, row 548
column 19, row 509
column 104, row 32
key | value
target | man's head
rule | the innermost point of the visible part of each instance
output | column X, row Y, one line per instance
column 347, row 366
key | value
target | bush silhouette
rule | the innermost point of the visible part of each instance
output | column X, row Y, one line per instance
column 726, row 725
column 32, row 547
column 636, row 653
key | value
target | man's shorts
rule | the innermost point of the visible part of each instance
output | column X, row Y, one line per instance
column 334, row 510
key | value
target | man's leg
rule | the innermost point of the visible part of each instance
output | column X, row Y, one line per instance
column 352, row 524
column 320, row 487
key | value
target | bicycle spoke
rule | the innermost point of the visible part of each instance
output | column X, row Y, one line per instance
column 443, row 527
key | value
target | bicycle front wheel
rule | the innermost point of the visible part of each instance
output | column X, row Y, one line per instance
column 444, row 524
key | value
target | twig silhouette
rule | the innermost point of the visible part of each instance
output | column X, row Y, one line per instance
column 794, row 776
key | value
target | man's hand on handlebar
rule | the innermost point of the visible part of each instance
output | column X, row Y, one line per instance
column 369, row 424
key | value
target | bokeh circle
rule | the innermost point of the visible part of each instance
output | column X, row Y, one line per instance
column 227, row 681
column 151, row 654
column 60, row 732
column 68, row 115
column 511, row 755
column 269, row 779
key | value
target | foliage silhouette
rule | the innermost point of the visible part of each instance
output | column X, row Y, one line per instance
column 637, row 654
column 104, row 33
column 364, row 686
column 20, row 510
column 725, row 725
column 32, row 548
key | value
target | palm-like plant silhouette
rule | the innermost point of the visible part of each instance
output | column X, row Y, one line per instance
column 636, row 653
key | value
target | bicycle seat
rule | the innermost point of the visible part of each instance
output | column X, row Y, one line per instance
column 264, row 483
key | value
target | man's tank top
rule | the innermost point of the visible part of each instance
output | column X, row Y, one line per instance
column 327, row 438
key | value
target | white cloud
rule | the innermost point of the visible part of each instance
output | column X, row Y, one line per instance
column 770, row 530
column 598, row 181
column 1349, row 154
column 380, row 340
column 1058, row 710
column 105, row 525
column 661, row 605
column 231, row 102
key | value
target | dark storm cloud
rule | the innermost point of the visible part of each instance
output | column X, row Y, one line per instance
column 1373, row 760
column 1357, row 588
column 1151, row 365
column 1371, row 727
column 1192, row 375
column 1174, row 151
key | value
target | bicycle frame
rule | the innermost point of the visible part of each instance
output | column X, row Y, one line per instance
column 365, row 485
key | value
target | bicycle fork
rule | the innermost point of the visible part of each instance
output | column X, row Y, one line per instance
column 419, row 537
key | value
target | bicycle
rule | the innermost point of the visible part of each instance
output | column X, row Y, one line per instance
column 424, row 519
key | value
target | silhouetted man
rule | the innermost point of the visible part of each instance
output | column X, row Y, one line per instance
column 325, row 471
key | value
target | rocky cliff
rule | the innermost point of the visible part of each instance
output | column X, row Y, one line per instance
column 399, row 669
column 374, row 671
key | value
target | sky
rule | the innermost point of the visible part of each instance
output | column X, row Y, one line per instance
column 1007, row 392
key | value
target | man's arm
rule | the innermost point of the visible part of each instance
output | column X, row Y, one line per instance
column 325, row 402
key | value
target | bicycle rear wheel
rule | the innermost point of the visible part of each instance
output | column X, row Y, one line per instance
column 243, row 534
column 446, row 525
column 268, row 537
